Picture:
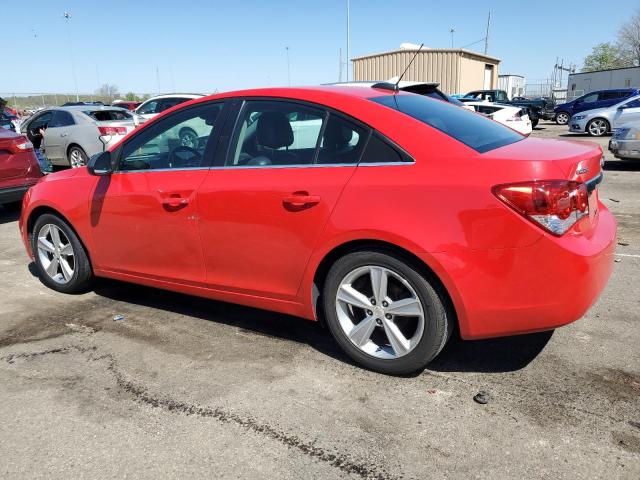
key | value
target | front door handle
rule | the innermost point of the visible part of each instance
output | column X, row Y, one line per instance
column 301, row 199
column 64, row 134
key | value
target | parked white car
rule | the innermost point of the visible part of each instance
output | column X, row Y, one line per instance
column 600, row 121
column 513, row 117
column 189, row 135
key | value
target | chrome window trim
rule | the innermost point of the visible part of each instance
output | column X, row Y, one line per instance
column 146, row 170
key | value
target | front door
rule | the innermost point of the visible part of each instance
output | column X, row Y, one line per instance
column 56, row 136
column 629, row 113
column 144, row 214
column 261, row 211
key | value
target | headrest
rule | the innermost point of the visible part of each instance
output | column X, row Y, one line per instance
column 337, row 135
column 274, row 130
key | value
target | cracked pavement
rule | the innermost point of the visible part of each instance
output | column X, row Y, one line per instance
column 186, row 388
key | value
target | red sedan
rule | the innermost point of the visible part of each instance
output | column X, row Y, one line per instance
column 19, row 168
column 394, row 217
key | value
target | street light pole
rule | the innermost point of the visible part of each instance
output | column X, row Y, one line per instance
column 67, row 17
column 451, row 31
column 348, row 40
column 288, row 67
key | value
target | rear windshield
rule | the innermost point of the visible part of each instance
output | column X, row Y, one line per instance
column 467, row 127
column 107, row 115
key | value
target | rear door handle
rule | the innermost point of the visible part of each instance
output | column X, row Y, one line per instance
column 301, row 199
column 173, row 199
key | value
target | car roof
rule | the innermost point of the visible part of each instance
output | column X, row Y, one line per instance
column 173, row 95
column 295, row 92
column 86, row 108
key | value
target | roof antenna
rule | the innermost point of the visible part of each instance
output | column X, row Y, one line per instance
column 405, row 70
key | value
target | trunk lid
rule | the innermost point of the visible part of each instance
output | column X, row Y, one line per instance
column 12, row 165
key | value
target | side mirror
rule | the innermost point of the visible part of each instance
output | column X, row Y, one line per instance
column 100, row 164
column 622, row 107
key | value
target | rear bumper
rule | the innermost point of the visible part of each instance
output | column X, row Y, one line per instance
column 546, row 285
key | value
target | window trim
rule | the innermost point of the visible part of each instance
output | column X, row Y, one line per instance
column 238, row 108
column 209, row 151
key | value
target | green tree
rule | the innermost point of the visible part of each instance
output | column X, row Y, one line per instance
column 629, row 40
column 604, row 56
column 131, row 97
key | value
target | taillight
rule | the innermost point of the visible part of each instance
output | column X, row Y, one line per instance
column 555, row 205
column 104, row 131
column 20, row 144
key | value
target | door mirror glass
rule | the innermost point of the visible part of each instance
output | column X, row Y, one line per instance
column 100, row 164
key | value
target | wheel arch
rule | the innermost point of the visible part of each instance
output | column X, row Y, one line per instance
column 47, row 209
column 323, row 267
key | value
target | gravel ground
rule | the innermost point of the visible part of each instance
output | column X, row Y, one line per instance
column 187, row 388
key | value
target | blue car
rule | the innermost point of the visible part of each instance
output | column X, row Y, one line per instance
column 599, row 99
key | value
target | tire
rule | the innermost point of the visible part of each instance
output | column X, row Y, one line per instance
column 598, row 127
column 372, row 346
column 81, row 276
column 562, row 118
column 534, row 123
column 188, row 138
column 77, row 157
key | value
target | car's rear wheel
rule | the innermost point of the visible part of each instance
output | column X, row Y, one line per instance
column 61, row 259
column 597, row 127
column 534, row 123
column 562, row 118
column 77, row 158
column 384, row 313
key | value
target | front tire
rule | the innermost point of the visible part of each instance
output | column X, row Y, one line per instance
column 77, row 157
column 597, row 127
column 562, row 118
column 61, row 259
column 384, row 313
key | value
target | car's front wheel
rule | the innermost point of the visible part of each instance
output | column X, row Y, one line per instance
column 77, row 157
column 62, row 262
column 384, row 313
column 562, row 118
column 597, row 127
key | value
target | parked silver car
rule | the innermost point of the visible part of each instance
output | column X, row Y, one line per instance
column 625, row 143
column 599, row 121
column 73, row 134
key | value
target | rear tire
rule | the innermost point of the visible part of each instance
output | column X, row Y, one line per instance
column 61, row 259
column 562, row 118
column 401, row 328
column 77, row 157
column 534, row 123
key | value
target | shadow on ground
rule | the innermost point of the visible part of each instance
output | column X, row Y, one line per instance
column 497, row 355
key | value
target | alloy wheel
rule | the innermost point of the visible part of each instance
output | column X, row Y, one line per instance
column 380, row 312
column 562, row 118
column 598, row 127
column 56, row 254
column 76, row 158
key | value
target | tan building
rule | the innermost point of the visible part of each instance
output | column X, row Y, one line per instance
column 456, row 70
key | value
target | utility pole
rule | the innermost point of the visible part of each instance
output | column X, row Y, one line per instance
column 288, row 67
column 486, row 37
column 67, row 17
column 340, row 65
column 452, row 31
column 348, row 40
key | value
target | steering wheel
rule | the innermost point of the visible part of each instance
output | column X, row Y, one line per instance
column 192, row 159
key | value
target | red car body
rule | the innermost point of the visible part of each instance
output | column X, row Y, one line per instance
column 234, row 240
column 19, row 168
column 127, row 105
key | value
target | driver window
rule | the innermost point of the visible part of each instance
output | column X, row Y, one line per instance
column 177, row 142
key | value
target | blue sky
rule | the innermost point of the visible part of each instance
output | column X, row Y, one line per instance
column 203, row 46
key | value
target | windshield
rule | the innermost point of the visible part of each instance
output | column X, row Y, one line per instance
column 467, row 127
column 107, row 115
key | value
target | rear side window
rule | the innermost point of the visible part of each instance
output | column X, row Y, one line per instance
column 379, row 151
column 108, row 115
column 610, row 95
column 473, row 130
column 342, row 142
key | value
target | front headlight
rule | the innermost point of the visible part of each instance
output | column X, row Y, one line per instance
column 578, row 117
column 633, row 134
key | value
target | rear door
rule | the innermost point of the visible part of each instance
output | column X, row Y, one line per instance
column 57, row 135
column 588, row 102
column 264, row 204
column 609, row 98
column 143, row 216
